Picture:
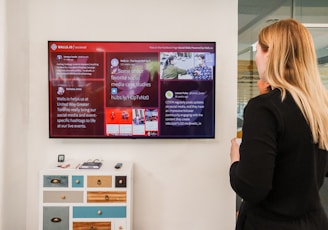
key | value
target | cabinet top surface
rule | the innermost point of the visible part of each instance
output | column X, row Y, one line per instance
column 106, row 166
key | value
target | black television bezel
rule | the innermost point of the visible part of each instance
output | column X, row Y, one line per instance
column 138, row 137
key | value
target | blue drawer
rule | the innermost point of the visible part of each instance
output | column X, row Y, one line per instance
column 55, row 181
column 99, row 212
column 77, row 181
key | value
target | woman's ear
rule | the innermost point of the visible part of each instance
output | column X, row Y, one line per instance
column 263, row 86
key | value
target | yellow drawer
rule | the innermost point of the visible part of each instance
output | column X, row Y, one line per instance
column 99, row 181
column 62, row 196
column 103, row 197
column 91, row 225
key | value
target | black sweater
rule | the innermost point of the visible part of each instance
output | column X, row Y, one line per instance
column 280, row 170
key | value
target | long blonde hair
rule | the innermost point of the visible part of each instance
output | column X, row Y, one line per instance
column 292, row 66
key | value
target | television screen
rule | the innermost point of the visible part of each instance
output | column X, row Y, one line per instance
column 131, row 89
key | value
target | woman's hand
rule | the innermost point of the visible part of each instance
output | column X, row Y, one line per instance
column 234, row 151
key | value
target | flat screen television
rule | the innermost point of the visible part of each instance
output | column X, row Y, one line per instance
column 105, row 89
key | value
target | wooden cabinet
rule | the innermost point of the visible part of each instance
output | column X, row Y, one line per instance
column 88, row 199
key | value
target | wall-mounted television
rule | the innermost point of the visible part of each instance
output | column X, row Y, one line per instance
column 105, row 89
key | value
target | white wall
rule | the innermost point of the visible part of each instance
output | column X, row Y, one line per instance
column 2, row 100
column 179, row 184
column 16, row 114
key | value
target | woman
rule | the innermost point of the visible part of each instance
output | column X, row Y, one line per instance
column 170, row 71
column 282, row 160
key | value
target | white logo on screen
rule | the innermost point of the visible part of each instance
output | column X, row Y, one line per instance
column 54, row 46
column 60, row 90
column 169, row 94
column 114, row 62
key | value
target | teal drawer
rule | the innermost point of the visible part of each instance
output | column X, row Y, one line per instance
column 99, row 212
column 55, row 181
column 77, row 181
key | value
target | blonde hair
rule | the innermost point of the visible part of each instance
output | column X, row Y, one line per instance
column 292, row 66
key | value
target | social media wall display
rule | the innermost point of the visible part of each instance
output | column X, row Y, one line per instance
column 131, row 89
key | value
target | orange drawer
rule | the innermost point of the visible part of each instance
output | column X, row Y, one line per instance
column 99, row 181
column 91, row 225
column 110, row 196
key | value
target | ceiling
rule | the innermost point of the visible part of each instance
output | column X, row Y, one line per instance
column 254, row 14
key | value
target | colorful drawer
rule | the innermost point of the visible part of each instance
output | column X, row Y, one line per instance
column 106, row 196
column 92, row 226
column 99, row 212
column 55, row 218
column 97, row 199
